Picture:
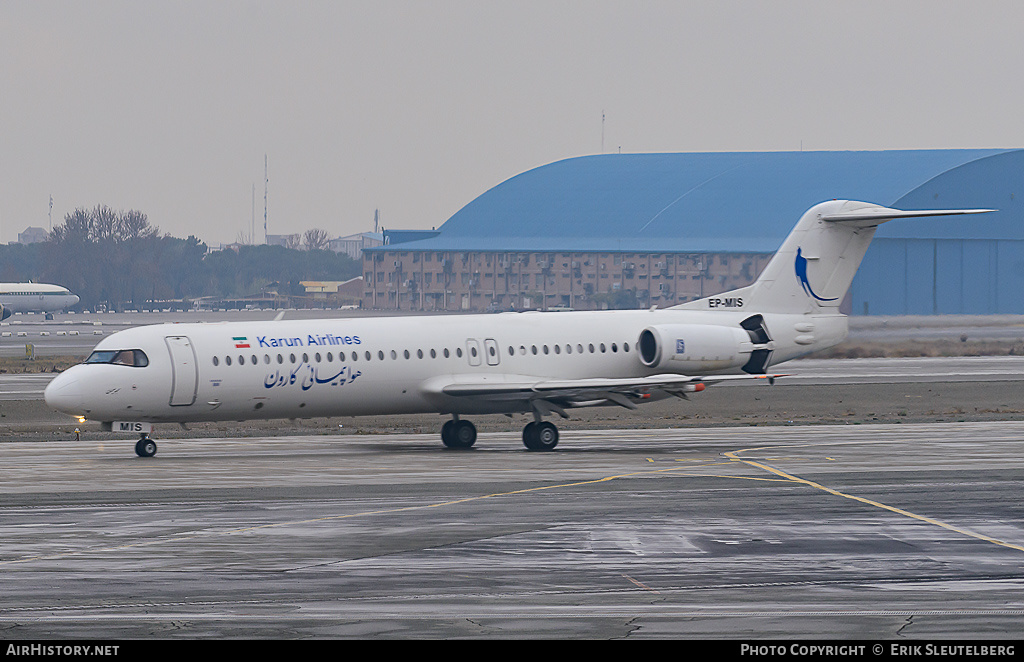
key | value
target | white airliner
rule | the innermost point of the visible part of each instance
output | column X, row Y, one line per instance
column 33, row 298
column 532, row 363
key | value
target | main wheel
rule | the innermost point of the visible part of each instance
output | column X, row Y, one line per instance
column 528, row 434
column 446, row 433
column 542, row 436
column 460, row 434
column 145, row 447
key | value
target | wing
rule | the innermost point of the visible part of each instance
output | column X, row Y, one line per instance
column 525, row 393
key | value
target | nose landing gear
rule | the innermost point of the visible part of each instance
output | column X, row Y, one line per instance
column 145, row 447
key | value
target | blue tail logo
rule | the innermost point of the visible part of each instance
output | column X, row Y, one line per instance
column 801, row 273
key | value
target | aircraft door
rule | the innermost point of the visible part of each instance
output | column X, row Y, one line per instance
column 184, row 370
column 473, row 351
column 492, row 352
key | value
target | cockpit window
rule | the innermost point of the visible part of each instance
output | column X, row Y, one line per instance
column 101, row 357
column 132, row 357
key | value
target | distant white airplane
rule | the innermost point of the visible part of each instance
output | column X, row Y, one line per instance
column 532, row 363
column 33, row 298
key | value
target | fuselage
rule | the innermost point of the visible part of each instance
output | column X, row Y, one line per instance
column 396, row 365
column 35, row 297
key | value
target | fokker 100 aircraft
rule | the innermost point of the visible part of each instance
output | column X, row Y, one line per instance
column 458, row 366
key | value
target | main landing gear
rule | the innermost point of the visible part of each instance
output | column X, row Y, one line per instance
column 458, row 434
column 540, row 436
column 145, row 447
column 537, row 435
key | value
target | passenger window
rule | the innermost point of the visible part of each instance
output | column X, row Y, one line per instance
column 330, row 357
column 447, row 354
column 305, row 357
column 254, row 361
column 380, row 354
column 280, row 359
column 241, row 360
column 368, row 355
column 227, row 360
column 216, row 361
column 394, row 355
column 405, row 353
column 433, row 354
column 291, row 357
column 266, row 359
column 419, row 353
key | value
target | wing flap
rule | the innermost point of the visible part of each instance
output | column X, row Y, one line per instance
column 577, row 392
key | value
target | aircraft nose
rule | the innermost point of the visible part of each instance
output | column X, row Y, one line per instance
column 65, row 394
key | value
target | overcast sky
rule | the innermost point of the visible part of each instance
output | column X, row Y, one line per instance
column 417, row 107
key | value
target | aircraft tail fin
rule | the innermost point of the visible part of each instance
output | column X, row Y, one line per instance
column 814, row 267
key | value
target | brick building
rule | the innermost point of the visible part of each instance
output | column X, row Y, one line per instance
column 492, row 280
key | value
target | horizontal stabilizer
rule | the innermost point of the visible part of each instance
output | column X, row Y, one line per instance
column 865, row 215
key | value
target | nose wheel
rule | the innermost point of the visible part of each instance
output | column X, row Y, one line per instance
column 145, row 447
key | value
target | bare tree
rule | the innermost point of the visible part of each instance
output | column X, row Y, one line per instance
column 134, row 225
column 105, row 255
column 315, row 239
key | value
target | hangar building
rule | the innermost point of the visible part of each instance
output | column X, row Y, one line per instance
column 639, row 230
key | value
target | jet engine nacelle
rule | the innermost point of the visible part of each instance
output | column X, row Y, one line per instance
column 689, row 348
column 5, row 312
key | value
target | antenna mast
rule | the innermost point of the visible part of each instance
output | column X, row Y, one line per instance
column 266, row 185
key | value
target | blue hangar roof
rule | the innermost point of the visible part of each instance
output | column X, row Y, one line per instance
column 727, row 201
